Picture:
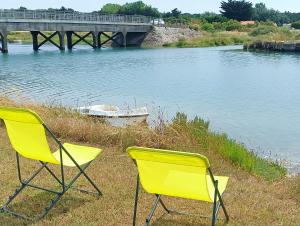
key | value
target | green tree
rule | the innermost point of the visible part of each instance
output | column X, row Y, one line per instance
column 296, row 25
column 261, row 12
column 212, row 17
column 175, row 13
column 110, row 8
column 139, row 8
column 22, row 8
column 237, row 10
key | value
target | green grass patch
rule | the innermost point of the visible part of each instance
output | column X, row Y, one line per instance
column 211, row 39
column 237, row 153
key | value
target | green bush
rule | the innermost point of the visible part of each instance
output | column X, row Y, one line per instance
column 181, row 42
column 207, row 27
column 296, row 25
column 232, row 25
column 263, row 30
column 219, row 26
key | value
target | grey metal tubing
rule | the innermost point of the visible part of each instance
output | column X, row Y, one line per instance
column 42, row 15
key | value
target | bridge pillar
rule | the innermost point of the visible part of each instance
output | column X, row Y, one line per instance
column 69, row 40
column 95, row 42
column 124, row 38
column 3, row 40
column 35, row 42
column 99, row 43
column 61, row 36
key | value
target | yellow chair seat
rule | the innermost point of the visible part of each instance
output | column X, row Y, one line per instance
column 177, row 174
column 222, row 183
column 81, row 154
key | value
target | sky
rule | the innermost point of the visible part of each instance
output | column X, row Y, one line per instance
column 190, row 6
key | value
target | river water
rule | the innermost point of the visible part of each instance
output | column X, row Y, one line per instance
column 253, row 97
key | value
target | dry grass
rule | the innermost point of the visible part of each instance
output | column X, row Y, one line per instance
column 250, row 200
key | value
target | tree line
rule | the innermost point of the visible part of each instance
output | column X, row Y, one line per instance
column 239, row 10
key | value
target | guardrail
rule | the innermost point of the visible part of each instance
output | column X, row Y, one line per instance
column 30, row 15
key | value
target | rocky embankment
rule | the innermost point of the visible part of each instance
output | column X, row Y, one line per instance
column 274, row 46
column 160, row 36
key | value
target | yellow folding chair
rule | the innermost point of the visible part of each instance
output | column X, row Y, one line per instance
column 27, row 134
column 177, row 174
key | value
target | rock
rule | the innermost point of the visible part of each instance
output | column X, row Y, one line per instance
column 160, row 36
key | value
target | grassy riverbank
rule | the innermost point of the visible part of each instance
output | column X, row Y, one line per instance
column 258, row 192
column 238, row 37
column 212, row 39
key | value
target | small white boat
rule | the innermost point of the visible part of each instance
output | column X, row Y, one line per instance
column 113, row 112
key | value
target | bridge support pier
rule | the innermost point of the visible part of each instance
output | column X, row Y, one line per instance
column 124, row 39
column 99, row 44
column 3, row 42
column 37, row 45
column 69, row 40
column 61, row 36
column 35, row 42
column 71, row 43
column 135, row 39
column 117, row 39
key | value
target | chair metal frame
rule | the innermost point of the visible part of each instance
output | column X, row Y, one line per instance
column 62, row 183
column 218, row 201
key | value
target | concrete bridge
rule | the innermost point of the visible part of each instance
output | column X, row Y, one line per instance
column 120, row 30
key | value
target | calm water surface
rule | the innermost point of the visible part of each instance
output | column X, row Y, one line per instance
column 254, row 97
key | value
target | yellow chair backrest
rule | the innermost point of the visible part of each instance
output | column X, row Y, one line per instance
column 26, row 132
column 171, row 173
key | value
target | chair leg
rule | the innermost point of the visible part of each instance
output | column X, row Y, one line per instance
column 152, row 210
column 23, row 185
column 163, row 204
column 223, row 206
column 214, row 214
column 82, row 171
column 136, row 200
column 62, row 184
column 52, row 203
column 92, row 183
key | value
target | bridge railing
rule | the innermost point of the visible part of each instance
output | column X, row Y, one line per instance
column 72, row 16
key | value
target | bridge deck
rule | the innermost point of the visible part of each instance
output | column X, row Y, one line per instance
column 55, row 16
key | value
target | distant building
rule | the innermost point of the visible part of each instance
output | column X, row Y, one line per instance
column 248, row 22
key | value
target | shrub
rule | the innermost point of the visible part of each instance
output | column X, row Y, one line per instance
column 296, row 25
column 263, row 30
column 232, row 25
column 207, row 27
column 219, row 26
column 181, row 42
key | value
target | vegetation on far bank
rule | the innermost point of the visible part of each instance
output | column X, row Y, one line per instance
column 250, row 199
column 233, row 33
